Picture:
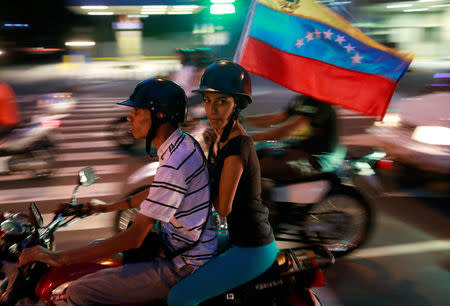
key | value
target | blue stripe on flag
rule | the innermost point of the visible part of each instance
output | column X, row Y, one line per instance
column 315, row 40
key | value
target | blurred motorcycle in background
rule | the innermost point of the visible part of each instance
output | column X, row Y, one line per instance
column 326, row 208
column 29, row 147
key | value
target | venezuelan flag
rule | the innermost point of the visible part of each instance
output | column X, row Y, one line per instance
column 306, row 47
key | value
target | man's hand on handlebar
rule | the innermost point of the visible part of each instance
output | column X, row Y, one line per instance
column 96, row 206
column 92, row 207
column 38, row 253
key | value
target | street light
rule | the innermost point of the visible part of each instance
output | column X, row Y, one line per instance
column 222, row 7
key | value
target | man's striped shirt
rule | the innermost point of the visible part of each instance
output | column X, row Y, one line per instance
column 180, row 197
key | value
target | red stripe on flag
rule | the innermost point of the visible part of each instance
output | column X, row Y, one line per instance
column 366, row 93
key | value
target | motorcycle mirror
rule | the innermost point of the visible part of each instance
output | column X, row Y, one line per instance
column 87, row 176
column 35, row 216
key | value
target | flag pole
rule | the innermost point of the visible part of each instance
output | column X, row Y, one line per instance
column 245, row 31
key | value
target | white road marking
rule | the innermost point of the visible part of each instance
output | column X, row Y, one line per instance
column 88, row 144
column 71, row 171
column 403, row 249
column 90, row 136
column 61, row 193
column 81, row 122
column 88, row 156
column 106, row 220
column 83, row 128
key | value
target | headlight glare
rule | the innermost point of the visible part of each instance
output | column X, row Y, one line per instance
column 435, row 135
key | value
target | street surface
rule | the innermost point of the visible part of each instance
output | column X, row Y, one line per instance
column 405, row 262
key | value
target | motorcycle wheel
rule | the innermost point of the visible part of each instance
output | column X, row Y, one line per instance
column 47, row 156
column 124, row 217
column 119, row 133
column 38, row 162
column 341, row 221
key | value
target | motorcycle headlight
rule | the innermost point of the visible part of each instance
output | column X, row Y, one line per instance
column 435, row 135
column 11, row 227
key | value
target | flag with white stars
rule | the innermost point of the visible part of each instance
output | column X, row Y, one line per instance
column 308, row 48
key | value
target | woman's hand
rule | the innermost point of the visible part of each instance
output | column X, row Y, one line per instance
column 210, row 135
column 38, row 254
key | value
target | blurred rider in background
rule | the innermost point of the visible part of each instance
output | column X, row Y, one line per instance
column 9, row 113
column 193, row 63
column 308, row 130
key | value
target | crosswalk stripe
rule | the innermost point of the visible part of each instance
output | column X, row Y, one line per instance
column 87, row 144
column 61, row 193
column 71, row 172
column 92, row 222
column 81, row 122
column 87, row 110
column 88, row 156
column 81, row 128
column 95, row 115
column 78, row 136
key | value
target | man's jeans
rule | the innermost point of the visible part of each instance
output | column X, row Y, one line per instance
column 142, row 282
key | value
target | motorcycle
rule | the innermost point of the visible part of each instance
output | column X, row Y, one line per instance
column 287, row 282
column 29, row 147
column 325, row 208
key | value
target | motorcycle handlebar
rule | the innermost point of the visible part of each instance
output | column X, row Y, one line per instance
column 78, row 210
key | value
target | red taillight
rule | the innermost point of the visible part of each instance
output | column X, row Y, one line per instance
column 51, row 124
column 385, row 164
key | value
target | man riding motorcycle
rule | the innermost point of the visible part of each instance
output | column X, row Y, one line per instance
column 308, row 132
column 179, row 197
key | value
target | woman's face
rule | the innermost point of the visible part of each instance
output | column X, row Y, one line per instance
column 218, row 109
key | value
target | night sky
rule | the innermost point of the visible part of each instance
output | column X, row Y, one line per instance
column 48, row 20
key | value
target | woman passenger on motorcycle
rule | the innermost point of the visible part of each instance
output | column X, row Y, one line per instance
column 236, row 187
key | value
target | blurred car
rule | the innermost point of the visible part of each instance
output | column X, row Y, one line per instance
column 57, row 103
column 416, row 132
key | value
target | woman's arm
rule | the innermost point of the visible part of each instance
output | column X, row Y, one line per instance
column 266, row 120
column 229, row 180
column 283, row 131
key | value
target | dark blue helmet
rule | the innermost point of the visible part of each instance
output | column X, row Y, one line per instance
column 159, row 95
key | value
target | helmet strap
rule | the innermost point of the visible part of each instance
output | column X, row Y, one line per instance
column 156, row 123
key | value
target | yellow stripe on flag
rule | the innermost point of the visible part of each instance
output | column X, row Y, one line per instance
column 318, row 12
